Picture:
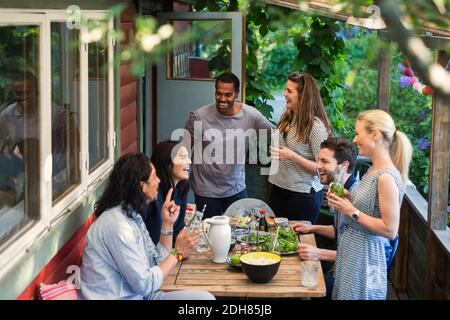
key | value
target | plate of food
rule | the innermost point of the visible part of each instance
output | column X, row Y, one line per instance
column 240, row 221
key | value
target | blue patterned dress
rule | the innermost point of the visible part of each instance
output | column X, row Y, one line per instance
column 361, row 272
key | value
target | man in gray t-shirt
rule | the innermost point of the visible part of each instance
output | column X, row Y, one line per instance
column 222, row 132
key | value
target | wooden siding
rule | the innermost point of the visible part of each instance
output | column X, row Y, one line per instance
column 128, row 88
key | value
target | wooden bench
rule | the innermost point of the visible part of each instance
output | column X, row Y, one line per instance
column 56, row 270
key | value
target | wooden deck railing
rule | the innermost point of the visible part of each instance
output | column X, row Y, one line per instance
column 409, row 275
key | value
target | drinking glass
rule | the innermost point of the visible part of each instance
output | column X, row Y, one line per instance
column 309, row 270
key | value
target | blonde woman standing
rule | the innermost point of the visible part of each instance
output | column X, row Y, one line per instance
column 373, row 210
column 296, row 189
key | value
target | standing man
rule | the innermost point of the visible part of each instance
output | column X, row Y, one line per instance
column 218, row 176
column 335, row 153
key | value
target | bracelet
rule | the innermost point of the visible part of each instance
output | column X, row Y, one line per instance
column 177, row 254
column 167, row 232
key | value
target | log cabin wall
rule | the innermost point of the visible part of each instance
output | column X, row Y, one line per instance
column 128, row 87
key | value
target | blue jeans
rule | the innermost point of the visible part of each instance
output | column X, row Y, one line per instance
column 296, row 205
column 217, row 206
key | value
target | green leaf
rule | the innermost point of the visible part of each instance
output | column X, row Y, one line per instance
column 212, row 6
column 325, row 66
column 200, row 5
column 263, row 30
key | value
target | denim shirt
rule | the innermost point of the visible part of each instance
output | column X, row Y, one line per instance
column 120, row 261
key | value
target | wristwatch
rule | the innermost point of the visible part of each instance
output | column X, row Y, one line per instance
column 167, row 232
column 177, row 254
column 355, row 215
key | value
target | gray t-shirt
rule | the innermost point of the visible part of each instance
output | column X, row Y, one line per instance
column 218, row 162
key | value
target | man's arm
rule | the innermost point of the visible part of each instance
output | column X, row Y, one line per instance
column 261, row 122
column 326, row 231
column 323, row 230
column 5, row 144
column 309, row 252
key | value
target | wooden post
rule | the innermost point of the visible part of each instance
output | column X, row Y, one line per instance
column 438, row 194
column 439, row 158
column 384, row 79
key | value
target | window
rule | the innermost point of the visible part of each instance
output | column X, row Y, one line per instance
column 65, row 108
column 19, row 128
column 56, row 121
column 201, row 58
column 98, row 104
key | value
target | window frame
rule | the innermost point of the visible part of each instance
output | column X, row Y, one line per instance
column 60, row 205
column 51, row 212
column 111, row 135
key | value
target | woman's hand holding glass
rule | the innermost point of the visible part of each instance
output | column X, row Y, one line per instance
column 282, row 153
column 330, row 187
column 187, row 241
column 308, row 252
column 342, row 205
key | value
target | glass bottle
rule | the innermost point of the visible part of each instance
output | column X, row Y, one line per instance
column 253, row 230
column 197, row 223
column 338, row 185
column 262, row 221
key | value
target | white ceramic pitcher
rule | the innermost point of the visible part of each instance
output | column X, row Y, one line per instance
column 219, row 238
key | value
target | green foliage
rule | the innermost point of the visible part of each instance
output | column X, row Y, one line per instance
column 320, row 53
column 257, row 89
column 411, row 111
column 316, row 50
column 280, row 60
column 14, row 60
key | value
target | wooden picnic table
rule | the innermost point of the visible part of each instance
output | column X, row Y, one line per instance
column 201, row 273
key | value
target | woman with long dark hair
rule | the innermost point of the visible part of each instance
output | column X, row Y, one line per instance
column 296, row 189
column 120, row 261
column 172, row 164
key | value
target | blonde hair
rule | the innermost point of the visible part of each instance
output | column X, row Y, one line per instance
column 400, row 147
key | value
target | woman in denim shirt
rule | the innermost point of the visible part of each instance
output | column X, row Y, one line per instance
column 120, row 261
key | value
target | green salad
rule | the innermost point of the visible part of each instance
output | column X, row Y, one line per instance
column 263, row 237
column 286, row 242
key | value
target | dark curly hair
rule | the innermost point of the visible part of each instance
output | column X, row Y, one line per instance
column 162, row 159
column 124, row 185
column 344, row 150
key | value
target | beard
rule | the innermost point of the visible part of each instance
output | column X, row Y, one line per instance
column 330, row 177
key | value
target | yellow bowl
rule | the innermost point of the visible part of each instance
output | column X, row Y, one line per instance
column 260, row 273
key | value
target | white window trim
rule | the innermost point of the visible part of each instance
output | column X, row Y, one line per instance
column 24, row 239
column 17, row 246
column 65, row 205
column 109, row 162
column 62, row 206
